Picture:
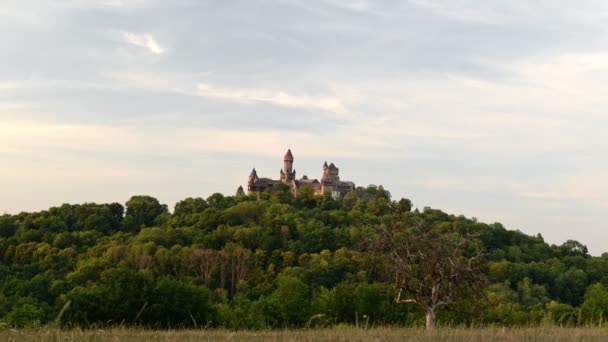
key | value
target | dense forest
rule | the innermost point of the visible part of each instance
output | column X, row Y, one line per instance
column 240, row 262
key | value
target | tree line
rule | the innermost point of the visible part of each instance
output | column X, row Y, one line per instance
column 242, row 262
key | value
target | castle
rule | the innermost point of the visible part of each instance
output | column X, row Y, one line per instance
column 330, row 181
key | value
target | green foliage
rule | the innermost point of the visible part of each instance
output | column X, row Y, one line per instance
column 8, row 226
column 25, row 315
column 560, row 314
column 190, row 206
column 292, row 298
column 279, row 261
column 143, row 211
column 595, row 306
column 174, row 303
column 117, row 297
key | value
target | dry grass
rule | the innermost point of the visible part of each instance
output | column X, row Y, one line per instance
column 334, row 334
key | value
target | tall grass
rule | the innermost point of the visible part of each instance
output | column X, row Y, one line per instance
column 540, row 333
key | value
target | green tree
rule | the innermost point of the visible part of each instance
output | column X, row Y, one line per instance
column 25, row 315
column 306, row 198
column 190, row 206
column 595, row 306
column 174, row 303
column 403, row 206
column 142, row 211
column 572, row 248
column 281, row 193
column 117, row 297
column 293, row 301
column 8, row 227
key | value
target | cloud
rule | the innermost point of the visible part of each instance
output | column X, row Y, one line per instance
column 4, row 86
column 95, row 3
column 35, row 136
column 27, row 137
column 145, row 41
column 594, row 197
column 353, row 5
column 548, row 195
column 279, row 98
column 458, row 12
column 585, row 186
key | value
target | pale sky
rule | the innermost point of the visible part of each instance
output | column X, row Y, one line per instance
column 491, row 109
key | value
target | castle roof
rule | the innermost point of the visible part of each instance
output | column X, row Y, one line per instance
column 332, row 166
column 307, row 182
column 346, row 185
column 253, row 174
column 265, row 182
column 288, row 155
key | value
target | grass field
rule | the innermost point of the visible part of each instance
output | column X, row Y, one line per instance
column 333, row 334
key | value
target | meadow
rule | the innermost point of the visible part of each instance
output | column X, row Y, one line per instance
column 544, row 333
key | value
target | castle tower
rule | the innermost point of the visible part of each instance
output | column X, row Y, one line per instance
column 330, row 173
column 288, row 173
column 253, row 177
column 330, row 179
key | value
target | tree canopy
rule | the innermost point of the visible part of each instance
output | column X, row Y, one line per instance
column 279, row 261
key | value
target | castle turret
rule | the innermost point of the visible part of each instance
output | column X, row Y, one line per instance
column 288, row 173
column 330, row 179
column 253, row 177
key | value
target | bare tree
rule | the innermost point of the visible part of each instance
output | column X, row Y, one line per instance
column 430, row 267
column 205, row 261
column 144, row 261
column 223, row 260
column 239, row 260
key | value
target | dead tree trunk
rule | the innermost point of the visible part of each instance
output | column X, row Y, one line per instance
column 430, row 318
column 434, row 267
column 428, row 309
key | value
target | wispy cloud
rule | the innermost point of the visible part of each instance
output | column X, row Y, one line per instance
column 8, row 86
column 455, row 11
column 17, row 136
column 586, row 187
column 549, row 195
column 594, row 197
column 280, row 98
column 146, row 41
column 354, row 5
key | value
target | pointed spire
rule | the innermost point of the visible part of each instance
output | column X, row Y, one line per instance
column 253, row 174
column 325, row 165
column 288, row 156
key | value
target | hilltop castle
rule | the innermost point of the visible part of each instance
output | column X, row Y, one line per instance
column 330, row 181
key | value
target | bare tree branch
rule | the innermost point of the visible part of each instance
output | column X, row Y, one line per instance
column 434, row 267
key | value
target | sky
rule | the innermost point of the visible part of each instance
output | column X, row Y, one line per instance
column 491, row 109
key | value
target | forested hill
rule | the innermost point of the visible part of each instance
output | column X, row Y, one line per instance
column 240, row 262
